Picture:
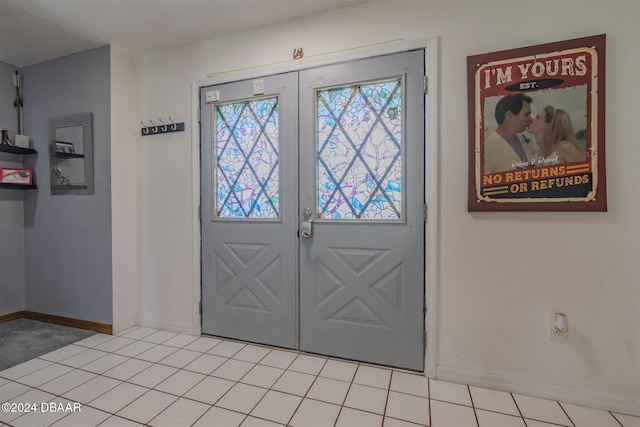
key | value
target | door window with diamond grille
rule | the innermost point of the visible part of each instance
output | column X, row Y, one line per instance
column 246, row 151
column 359, row 151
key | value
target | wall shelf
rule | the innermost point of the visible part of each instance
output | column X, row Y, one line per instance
column 9, row 186
column 16, row 150
column 69, row 155
column 71, row 186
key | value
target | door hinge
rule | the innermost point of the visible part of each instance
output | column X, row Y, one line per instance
column 424, row 339
column 200, row 212
column 425, row 84
column 199, row 114
column 424, row 212
column 200, row 308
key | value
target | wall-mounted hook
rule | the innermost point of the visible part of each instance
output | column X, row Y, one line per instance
column 164, row 127
column 298, row 53
column 174, row 126
column 154, row 129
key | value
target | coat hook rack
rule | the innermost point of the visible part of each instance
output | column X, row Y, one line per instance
column 155, row 129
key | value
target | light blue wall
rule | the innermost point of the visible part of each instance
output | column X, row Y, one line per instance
column 68, row 237
column 11, row 208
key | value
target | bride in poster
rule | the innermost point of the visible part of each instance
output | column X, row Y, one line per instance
column 554, row 131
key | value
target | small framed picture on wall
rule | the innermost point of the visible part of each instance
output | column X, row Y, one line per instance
column 16, row 176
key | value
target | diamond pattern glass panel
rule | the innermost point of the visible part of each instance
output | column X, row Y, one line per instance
column 359, row 151
column 247, row 180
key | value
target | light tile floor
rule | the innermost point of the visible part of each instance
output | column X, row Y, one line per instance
column 158, row 378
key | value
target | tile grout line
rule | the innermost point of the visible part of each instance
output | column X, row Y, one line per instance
column 429, row 397
column 271, row 389
column 473, row 406
column 616, row 418
column 345, row 396
column 306, row 393
column 386, row 401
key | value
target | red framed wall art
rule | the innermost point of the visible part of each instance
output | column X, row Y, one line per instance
column 536, row 128
column 16, row 176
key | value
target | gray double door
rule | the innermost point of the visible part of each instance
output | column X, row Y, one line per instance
column 312, row 210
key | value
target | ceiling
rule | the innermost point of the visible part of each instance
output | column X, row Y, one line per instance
column 32, row 31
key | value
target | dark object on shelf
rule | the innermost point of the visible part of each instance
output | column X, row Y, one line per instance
column 66, row 150
column 64, row 147
column 18, row 101
column 5, row 137
column 61, row 179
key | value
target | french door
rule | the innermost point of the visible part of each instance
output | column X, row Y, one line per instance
column 312, row 201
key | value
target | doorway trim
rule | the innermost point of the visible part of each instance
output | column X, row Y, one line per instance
column 432, row 132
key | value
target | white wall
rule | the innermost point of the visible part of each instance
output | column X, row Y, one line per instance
column 499, row 276
column 124, row 195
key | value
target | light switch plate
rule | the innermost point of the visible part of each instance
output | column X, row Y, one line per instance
column 212, row 96
column 258, row 87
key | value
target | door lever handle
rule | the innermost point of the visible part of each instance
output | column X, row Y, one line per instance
column 306, row 225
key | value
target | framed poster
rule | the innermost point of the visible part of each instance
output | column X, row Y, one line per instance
column 536, row 128
column 16, row 176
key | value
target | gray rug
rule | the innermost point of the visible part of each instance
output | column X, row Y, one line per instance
column 25, row 339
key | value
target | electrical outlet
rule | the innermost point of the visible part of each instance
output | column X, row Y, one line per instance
column 559, row 326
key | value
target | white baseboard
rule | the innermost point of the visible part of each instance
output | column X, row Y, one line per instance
column 578, row 396
column 167, row 325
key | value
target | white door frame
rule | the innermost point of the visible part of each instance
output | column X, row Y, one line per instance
column 430, row 45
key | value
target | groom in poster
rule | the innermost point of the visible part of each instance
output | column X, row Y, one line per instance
column 505, row 149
